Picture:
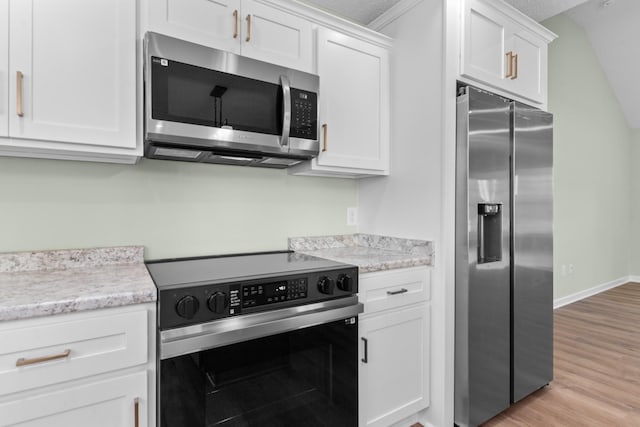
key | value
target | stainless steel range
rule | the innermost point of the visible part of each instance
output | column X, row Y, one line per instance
column 264, row 339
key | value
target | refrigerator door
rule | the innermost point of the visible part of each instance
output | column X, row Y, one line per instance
column 532, row 291
column 482, row 356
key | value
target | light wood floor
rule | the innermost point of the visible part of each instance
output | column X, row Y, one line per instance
column 597, row 366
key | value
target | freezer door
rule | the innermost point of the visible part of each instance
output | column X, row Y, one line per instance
column 532, row 290
column 482, row 355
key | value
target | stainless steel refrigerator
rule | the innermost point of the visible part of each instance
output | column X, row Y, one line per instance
column 504, row 254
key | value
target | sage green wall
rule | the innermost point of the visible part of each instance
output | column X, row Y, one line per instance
column 592, row 182
column 634, row 259
column 172, row 208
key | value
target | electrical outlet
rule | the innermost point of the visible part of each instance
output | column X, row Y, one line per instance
column 571, row 269
column 352, row 216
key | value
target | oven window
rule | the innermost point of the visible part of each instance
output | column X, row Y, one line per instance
column 200, row 96
column 302, row 378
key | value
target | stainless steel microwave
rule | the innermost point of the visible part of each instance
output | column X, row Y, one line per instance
column 211, row 106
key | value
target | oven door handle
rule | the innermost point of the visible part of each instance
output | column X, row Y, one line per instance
column 231, row 330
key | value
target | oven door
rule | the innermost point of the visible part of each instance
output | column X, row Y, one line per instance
column 294, row 367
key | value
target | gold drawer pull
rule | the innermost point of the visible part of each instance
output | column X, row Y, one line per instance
column 509, row 65
column 248, row 28
column 235, row 26
column 23, row 362
column 136, row 412
column 19, row 77
column 515, row 67
column 324, row 131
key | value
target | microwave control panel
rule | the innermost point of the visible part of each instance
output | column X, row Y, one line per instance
column 304, row 114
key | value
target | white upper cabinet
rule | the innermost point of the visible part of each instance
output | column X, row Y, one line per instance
column 207, row 22
column 529, row 74
column 72, row 73
column 354, row 107
column 4, row 68
column 505, row 50
column 247, row 27
column 269, row 34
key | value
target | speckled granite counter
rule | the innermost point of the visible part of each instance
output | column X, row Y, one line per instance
column 52, row 282
column 369, row 252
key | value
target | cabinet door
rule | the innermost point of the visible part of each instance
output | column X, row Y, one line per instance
column 275, row 36
column 77, row 60
column 354, row 102
column 214, row 23
column 394, row 380
column 531, row 61
column 4, row 67
column 106, row 403
column 483, row 44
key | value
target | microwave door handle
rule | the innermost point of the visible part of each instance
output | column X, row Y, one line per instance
column 286, row 110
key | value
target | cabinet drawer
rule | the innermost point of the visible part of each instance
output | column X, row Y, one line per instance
column 42, row 351
column 109, row 403
column 391, row 289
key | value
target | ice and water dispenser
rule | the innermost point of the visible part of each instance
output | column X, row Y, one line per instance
column 489, row 232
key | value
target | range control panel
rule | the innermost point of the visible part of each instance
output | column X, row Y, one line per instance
column 204, row 303
column 270, row 293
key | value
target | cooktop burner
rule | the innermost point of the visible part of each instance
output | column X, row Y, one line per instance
column 200, row 290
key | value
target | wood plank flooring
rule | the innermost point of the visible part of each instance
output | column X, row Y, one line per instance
column 596, row 366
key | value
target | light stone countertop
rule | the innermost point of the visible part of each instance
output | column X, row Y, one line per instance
column 43, row 283
column 369, row 252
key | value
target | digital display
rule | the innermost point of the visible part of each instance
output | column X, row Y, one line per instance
column 303, row 95
column 268, row 293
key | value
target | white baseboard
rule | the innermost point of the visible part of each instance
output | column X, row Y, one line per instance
column 560, row 302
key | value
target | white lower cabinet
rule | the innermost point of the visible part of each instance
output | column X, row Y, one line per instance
column 116, row 402
column 94, row 368
column 394, row 346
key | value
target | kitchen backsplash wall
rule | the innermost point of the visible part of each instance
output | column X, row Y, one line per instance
column 592, row 168
column 172, row 208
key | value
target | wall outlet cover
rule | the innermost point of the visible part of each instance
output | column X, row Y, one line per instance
column 352, row 216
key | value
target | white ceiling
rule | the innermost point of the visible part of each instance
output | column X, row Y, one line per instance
column 360, row 11
column 613, row 27
column 540, row 10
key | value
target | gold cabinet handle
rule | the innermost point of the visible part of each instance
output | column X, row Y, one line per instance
column 23, row 362
column 19, row 111
column 235, row 24
column 136, row 412
column 509, row 64
column 248, row 27
column 324, row 132
column 515, row 67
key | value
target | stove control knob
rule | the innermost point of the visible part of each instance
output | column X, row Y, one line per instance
column 217, row 302
column 345, row 283
column 326, row 285
column 187, row 307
